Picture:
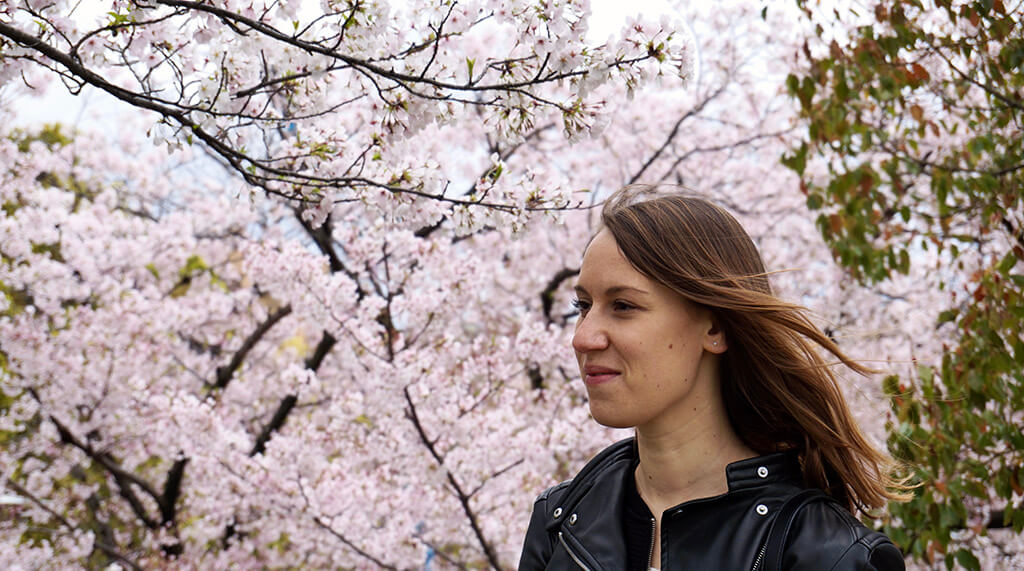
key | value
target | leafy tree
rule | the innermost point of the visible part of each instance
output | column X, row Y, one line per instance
column 912, row 153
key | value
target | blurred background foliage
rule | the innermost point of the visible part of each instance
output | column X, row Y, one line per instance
column 912, row 149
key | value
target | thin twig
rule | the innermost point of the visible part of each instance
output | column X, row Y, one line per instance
column 462, row 496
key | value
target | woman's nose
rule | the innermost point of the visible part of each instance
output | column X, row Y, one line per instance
column 589, row 335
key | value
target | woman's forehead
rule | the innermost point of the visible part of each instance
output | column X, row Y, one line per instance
column 605, row 268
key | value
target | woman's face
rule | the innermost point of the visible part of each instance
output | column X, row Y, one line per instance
column 645, row 353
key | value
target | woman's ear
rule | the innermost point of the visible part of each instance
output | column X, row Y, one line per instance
column 714, row 340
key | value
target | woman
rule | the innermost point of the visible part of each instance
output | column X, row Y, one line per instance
column 735, row 413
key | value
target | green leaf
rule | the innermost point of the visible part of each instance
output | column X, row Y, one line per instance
column 967, row 560
column 1007, row 263
column 814, row 201
column 947, row 316
column 193, row 265
column 797, row 161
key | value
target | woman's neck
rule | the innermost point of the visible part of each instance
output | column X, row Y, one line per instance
column 687, row 461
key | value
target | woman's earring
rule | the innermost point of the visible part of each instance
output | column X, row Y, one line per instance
column 715, row 343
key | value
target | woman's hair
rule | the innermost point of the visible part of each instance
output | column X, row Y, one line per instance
column 779, row 392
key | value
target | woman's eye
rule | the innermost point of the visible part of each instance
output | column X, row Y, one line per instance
column 622, row 306
column 581, row 305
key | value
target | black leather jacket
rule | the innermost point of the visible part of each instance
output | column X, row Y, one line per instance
column 578, row 524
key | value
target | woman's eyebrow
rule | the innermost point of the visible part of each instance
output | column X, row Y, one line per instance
column 612, row 290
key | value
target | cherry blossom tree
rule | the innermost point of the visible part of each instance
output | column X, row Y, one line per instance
column 348, row 347
column 319, row 103
column 353, row 369
column 156, row 337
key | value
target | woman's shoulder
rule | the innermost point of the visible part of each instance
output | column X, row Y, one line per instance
column 554, row 493
column 608, row 464
column 825, row 535
column 603, row 469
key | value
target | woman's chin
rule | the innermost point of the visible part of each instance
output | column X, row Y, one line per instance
column 610, row 419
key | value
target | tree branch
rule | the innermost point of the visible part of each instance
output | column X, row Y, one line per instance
column 672, row 134
column 353, row 546
column 225, row 372
column 109, row 550
column 462, row 496
column 21, row 491
column 276, row 422
column 257, row 172
column 122, row 477
column 715, row 148
column 1006, row 100
column 547, row 296
column 172, row 491
column 327, row 342
column 286, row 405
column 322, row 237
column 367, row 67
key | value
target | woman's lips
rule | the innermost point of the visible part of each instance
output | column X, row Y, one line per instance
column 597, row 375
column 598, row 379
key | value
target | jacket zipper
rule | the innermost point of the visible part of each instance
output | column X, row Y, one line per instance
column 571, row 554
column 760, row 556
column 650, row 554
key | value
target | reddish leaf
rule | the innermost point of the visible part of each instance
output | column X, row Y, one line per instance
column 917, row 113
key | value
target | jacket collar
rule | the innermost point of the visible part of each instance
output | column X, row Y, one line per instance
column 761, row 470
column 750, row 472
column 610, row 465
column 586, row 513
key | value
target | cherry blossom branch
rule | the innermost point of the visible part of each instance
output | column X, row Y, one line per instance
column 495, row 475
column 438, row 34
column 21, row 491
column 348, row 543
column 327, row 342
column 226, row 372
column 716, row 148
column 462, row 496
column 369, row 68
column 675, row 131
column 258, row 172
column 167, row 109
column 547, row 296
column 321, row 236
column 286, row 405
column 270, row 81
column 384, row 318
column 276, row 422
column 504, row 155
column 441, row 553
column 106, row 548
column 172, row 491
column 124, row 479
column 166, row 501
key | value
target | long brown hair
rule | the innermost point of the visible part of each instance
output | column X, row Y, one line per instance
column 779, row 392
